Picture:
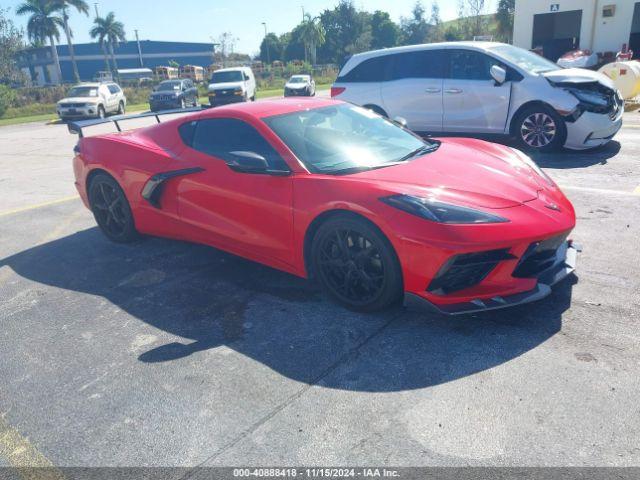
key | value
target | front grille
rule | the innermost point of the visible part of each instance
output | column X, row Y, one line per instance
column 164, row 98
column 539, row 256
column 466, row 270
column 224, row 93
column 72, row 105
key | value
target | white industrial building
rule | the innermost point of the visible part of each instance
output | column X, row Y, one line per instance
column 558, row 26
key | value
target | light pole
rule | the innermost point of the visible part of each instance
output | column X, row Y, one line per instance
column 139, row 49
column 302, row 7
column 266, row 43
column 95, row 6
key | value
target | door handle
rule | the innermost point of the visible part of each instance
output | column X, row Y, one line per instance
column 453, row 90
column 433, row 90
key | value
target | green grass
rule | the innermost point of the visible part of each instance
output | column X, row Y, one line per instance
column 16, row 117
column 43, row 117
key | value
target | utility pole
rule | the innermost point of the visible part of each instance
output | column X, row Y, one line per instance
column 266, row 43
column 95, row 6
column 302, row 7
column 139, row 49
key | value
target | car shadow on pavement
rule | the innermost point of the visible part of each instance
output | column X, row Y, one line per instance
column 578, row 159
column 211, row 299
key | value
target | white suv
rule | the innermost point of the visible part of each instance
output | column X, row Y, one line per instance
column 485, row 88
column 231, row 85
column 88, row 100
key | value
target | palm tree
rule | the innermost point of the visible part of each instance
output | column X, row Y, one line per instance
column 43, row 25
column 110, row 31
column 312, row 35
column 82, row 7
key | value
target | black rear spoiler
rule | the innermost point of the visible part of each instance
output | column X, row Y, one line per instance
column 77, row 127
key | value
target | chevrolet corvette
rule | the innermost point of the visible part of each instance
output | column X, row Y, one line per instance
column 328, row 190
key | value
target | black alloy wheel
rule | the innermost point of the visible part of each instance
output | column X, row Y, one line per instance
column 356, row 264
column 111, row 209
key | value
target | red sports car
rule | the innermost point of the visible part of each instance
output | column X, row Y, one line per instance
column 325, row 189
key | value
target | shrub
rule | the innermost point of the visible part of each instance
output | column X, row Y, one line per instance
column 6, row 98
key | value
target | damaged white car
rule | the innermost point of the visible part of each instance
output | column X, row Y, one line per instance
column 485, row 88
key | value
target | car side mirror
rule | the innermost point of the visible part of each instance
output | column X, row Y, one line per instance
column 499, row 74
column 400, row 121
column 251, row 162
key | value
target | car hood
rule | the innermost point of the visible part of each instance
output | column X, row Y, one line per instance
column 467, row 171
column 79, row 100
column 296, row 86
column 578, row 75
column 225, row 86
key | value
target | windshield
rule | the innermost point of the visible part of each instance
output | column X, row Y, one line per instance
column 223, row 77
column 529, row 61
column 83, row 92
column 169, row 86
column 346, row 139
column 297, row 80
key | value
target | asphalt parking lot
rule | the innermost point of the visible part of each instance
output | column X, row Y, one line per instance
column 163, row 353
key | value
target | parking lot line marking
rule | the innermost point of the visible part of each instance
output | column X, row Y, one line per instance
column 24, row 457
column 38, row 205
column 605, row 191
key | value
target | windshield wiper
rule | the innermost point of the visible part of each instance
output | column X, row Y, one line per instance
column 419, row 151
column 362, row 168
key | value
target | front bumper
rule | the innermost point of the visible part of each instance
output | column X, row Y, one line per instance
column 217, row 100
column 564, row 265
column 89, row 111
column 592, row 130
column 158, row 105
column 302, row 92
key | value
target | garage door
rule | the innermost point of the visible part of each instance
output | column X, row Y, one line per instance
column 556, row 33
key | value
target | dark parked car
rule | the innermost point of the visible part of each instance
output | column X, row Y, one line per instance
column 172, row 94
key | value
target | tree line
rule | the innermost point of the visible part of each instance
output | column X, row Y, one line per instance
column 47, row 18
column 344, row 30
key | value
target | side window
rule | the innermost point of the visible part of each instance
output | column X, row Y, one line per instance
column 470, row 65
column 113, row 89
column 371, row 70
column 220, row 136
column 421, row 64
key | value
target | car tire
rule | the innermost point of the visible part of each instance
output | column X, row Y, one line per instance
column 356, row 264
column 101, row 112
column 539, row 128
column 111, row 209
column 121, row 108
column 377, row 109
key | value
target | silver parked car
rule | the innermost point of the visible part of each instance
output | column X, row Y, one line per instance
column 92, row 100
column 300, row 85
column 487, row 88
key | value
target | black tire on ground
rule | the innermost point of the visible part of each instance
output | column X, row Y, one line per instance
column 539, row 128
column 253, row 98
column 101, row 112
column 356, row 264
column 111, row 209
column 377, row 109
column 121, row 109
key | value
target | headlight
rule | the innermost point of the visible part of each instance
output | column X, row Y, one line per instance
column 440, row 212
column 589, row 98
column 526, row 159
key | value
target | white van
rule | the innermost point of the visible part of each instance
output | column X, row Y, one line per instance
column 232, row 85
column 485, row 88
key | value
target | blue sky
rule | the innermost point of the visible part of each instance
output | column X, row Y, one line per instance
column 200, row 20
